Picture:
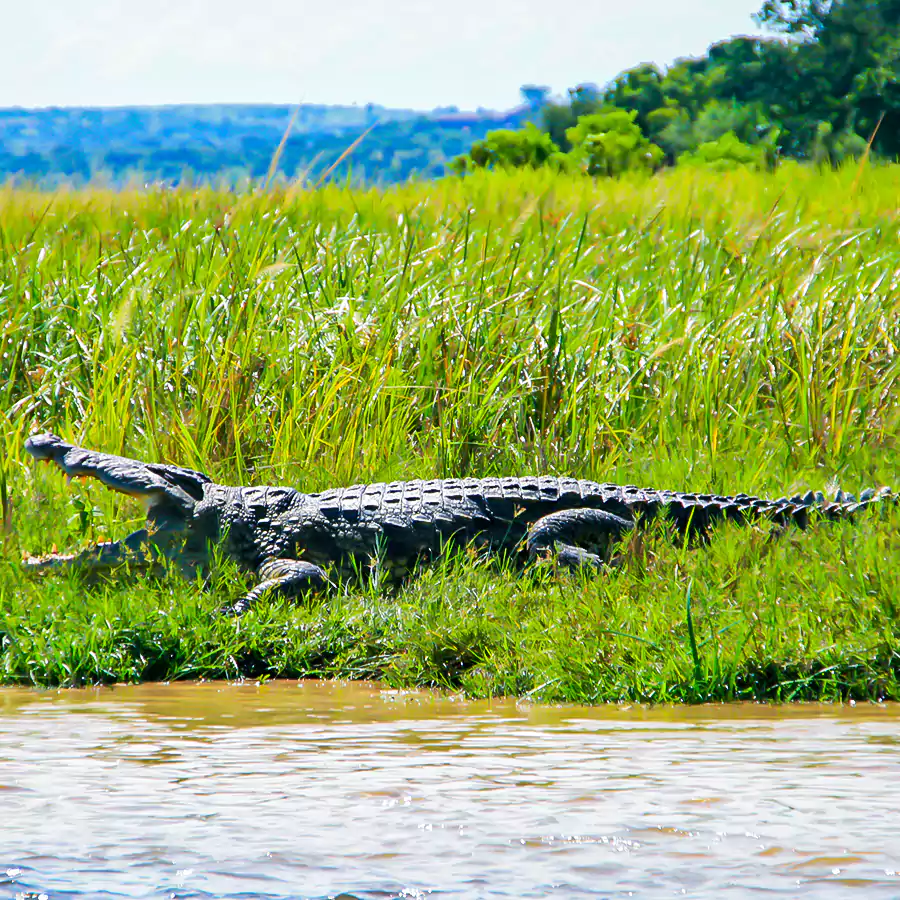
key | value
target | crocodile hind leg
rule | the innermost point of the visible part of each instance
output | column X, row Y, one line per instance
column 280, row 578
column 576, row 537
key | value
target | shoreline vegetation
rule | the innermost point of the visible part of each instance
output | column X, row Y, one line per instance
column 701, row 331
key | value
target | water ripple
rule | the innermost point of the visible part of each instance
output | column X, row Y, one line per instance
column 324, row 790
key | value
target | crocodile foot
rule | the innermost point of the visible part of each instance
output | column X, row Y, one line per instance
column 280, row 578
column 575, row 538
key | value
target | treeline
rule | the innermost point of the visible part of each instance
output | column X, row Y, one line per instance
column 234, row 144
column 825, row 85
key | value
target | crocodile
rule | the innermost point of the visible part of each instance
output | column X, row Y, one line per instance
column 297, row 543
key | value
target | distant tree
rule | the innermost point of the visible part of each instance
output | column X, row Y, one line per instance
column 639, row 89
column 682, row 134
column 535, row 95
column 585, row 99
column 686, row 84
column 611, row 142
column 745, row 120
column 847, row 53
column 834, row 63
column 667, row 121
column 806, row 18
column 558, row 118
column 673, row 130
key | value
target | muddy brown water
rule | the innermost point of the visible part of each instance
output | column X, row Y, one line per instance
column 323, row 789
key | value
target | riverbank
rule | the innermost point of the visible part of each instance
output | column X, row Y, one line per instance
column 716, row 333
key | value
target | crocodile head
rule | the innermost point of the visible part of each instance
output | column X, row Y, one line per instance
column 169, row 494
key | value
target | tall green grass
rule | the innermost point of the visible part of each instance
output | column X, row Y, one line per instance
column 720, row 333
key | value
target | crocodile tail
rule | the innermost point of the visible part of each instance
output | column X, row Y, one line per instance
column 693, row 513
column 843, row 506
column 800, row 510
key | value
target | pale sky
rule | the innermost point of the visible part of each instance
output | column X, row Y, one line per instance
column 406, row 53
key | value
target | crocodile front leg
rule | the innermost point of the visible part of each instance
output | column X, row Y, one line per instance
column 287, row 578
column 576, row 537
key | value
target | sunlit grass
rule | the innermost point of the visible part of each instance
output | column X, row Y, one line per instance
column 711, row 333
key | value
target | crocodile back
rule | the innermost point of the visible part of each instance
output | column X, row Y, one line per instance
column 504, row 508
column 402, row 522
column 483, row 501
column 416, row 517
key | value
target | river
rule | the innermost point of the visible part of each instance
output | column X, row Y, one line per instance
column 323, row 789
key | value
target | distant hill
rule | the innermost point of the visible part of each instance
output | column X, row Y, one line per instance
column 233, row 143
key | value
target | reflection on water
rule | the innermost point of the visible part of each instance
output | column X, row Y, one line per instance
column 318, row 789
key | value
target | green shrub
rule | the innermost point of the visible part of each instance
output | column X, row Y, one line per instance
column 832, row 148
column 726, row 152
column 611, row 142
column 509, row 149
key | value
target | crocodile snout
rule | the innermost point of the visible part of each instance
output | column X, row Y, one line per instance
column 45, row 446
